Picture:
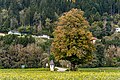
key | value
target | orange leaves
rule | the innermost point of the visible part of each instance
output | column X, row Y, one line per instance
column 73, row 18
column 71, row 36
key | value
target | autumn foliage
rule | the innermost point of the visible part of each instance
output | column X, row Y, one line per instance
column 72, row 40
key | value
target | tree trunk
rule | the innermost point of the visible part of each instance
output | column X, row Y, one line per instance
column 73, row 68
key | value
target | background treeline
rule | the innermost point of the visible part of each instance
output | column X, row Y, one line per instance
column 37, row 16
column 107, row 53
column 16, row 51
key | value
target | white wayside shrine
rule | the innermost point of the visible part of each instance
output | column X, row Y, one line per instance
column 51, row 65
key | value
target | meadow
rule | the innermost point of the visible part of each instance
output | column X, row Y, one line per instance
column 81, row 74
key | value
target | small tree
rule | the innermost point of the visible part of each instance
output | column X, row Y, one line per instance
column 72, row 40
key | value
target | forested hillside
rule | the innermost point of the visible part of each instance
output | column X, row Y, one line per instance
column 37, row 16
column 100, row 18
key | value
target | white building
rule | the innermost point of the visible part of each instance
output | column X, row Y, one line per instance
column 14, row 32
column 44, row 36
column 93, row 40
column 2, row 34
column 117, row 29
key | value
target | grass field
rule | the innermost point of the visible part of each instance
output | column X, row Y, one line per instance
column 82, row 74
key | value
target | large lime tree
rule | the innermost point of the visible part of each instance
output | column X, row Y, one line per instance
column 72, row 40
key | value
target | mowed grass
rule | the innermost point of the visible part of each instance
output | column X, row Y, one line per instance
column 82, row 74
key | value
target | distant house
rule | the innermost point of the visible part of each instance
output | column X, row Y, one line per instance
column 2, row 34
column 117, row 29
column 14, row 32
column 93, row 40
column 44, row 36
